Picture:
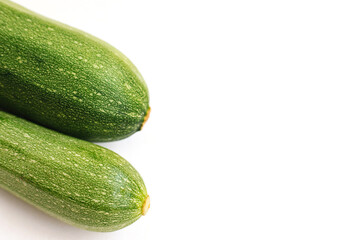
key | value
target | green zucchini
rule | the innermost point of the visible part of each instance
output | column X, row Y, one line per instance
column 73, row 180
column 67, row 80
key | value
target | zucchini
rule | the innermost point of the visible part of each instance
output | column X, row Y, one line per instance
column 76, row 181
column 67, row 80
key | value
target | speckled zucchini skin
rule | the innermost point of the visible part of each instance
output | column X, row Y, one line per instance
column 73, row 180
column 67, row 80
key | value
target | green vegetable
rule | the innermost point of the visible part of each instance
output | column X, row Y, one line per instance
column 76, row 181
column 67, row 80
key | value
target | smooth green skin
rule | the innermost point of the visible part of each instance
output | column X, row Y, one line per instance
column 67, row 80
column 73, row 180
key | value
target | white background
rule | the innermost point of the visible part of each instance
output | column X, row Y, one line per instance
column 255, row 124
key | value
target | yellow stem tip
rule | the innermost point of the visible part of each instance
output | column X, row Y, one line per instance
column 146, row 117
column 146, row 205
